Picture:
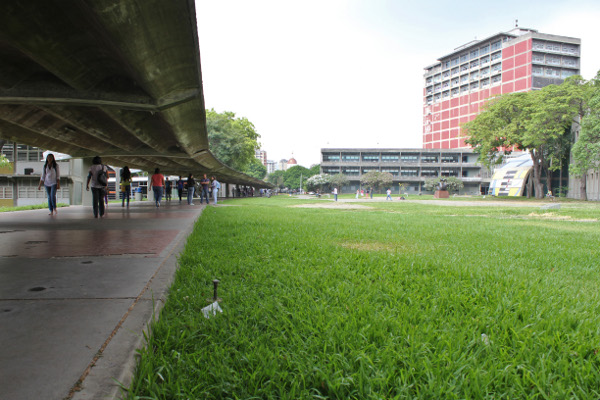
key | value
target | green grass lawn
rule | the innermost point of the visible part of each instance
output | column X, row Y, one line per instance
column 389, row 301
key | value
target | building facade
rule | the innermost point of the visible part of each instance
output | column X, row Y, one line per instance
column 409, row 167
column 459, row 83
column 261, row 155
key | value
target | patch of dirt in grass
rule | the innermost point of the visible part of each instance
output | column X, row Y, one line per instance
column 554, row 217
column 340, row 206
column 380, row 246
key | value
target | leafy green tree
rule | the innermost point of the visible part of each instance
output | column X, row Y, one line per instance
column 232, row 140
column 453, row 184
column 315, row 170
column 256, row 169
column 276, row 178
column 376, row 179
column 535, row 121
column 292, row 176
column 586, row 150
column 3, row 161
column 339, row 181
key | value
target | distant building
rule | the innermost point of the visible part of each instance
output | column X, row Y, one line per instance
column 282, row 165
column 459, row 83
column 291, row 162
column 262, row 156
column 409, row 167
column 271, row 166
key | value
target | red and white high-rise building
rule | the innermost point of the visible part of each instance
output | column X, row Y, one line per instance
column 516, row 61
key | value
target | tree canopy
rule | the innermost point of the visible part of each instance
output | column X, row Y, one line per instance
column 586, row 150
column 537, row 121
column 453, row 184
column 276, row 178
column 377, row 179
column 232, row 140
column 291, row 176
column 256, row 169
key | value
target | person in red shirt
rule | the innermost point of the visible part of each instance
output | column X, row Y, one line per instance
column 158, row 184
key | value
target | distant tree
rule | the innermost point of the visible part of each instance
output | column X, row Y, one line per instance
column 586, row 150
column 232, row 140
column 276, row 178
column 338, row 181
column 256, row 169
column 453, row 184
column 292, row 176
column 376, row 179
column 316, row 182
column 315, row 170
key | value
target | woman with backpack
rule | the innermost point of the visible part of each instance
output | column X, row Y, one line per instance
column 125, row 185
column 98, row 176
column 51, row 180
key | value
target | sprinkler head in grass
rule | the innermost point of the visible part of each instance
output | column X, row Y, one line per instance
column 215, row 297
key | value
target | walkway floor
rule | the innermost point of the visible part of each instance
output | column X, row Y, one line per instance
column 76, row 294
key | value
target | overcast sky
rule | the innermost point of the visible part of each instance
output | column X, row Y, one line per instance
column 349, row 73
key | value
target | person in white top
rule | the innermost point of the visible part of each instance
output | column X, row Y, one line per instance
column 335, row 193
column 389, row 195
column 51, row 180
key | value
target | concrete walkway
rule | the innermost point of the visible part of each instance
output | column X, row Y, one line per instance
column 76, row 294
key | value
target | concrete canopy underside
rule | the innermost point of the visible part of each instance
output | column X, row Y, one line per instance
column 115, row 78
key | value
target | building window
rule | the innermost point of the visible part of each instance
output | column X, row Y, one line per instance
column 538, row 58
column 496, row 80
column 474, row 53
column 485, row 71
column 538, row 45
column 464, row 89
column 367, row 170
column 485, row 60
column 484, row 49
column 474, row 75
column 429, row 81
column 429, row 173
column 450, row 158
column 351, row 171
column 464, row 79
column 437, row 78
column 331, row 157
column 474, row 64
column 464, row 68
column 455, row 92
column 449, row 172
column 409, row 158
column 409, row 172
column 474, row 86
column 553, row 60
column 496, row 45
column 464, row 58
column 454, row 62
column 331, row 171
column 565, row 73
column 496, row 68
column 569, row 62
column 539, row 71
column 455, row 82
column 446, row 64
column 389, row 158
column 496, row 56
column 454, row 71
column 485, row 82
column 429, row 159
column 370, row 157
column 437, row 87
column 446, row 74
column 350, row 157
column 393, row 171
column 445, row 94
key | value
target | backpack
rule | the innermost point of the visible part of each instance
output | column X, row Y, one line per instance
column 102, row 178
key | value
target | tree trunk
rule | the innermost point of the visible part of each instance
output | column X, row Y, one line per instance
column 537, row 176
column 583, row 187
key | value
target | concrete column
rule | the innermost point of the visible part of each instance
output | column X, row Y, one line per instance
column 80, row 175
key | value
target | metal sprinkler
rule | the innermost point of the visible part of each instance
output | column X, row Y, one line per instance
column 215, row 297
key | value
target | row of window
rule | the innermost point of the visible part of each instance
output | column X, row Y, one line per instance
column 476, row 64
column 405, row 172
column 551, row 59
column 473, row 76
column 552, row 72
column 405, row 158
column 556, row 47
column 24, row 152
column 465, row 89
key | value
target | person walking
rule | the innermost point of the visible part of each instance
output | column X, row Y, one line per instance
column 125, row 185
column 168, row 189
column 389, row 195
column 205, row 183
column 51, row 180
column 357, row 193
column 215, row 189
column 335, row 193
column 157, row 185
column 191, row 187
column 180, row 188
column 98, row 177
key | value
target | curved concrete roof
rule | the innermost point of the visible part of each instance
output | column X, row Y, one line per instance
column 115, row 78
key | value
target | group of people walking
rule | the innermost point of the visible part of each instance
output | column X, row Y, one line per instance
column 97, row 182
